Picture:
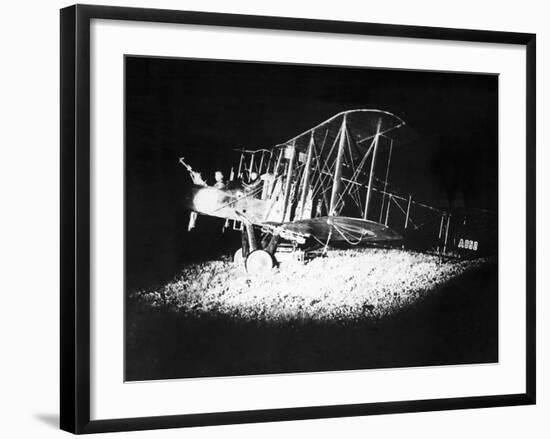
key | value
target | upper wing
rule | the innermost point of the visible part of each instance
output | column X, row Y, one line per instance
column 362, row 125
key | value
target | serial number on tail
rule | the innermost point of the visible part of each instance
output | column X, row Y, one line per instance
column 468, row 244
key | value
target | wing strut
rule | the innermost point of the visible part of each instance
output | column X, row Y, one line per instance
column 307, row 172
column 371, row 175
column 338, row 169
column 288, row 184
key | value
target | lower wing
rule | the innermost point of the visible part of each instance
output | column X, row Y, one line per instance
column 340, row 228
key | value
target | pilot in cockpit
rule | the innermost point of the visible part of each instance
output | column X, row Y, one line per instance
column 219, row 180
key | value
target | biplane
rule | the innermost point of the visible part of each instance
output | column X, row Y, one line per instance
column 327, row 185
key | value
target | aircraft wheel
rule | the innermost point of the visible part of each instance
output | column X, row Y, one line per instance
column 259, row 262
column 238, row 257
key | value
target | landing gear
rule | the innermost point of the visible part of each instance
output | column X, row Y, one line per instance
column 256, row 254
column 259, row 262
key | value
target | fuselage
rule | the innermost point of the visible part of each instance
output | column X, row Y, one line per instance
column 232, row 204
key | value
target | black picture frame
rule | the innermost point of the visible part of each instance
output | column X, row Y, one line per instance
column 75, row 217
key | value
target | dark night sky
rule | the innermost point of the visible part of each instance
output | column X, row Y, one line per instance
column 203, row 109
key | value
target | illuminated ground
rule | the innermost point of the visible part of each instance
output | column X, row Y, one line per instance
column 355, row 309
column 357, row 284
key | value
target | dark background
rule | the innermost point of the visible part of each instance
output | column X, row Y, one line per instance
column 203, row 110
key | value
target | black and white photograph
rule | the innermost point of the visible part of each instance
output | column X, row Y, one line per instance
column 294, row 218
column 275, row 219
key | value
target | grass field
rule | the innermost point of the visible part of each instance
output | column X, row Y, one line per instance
column 352, row 309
